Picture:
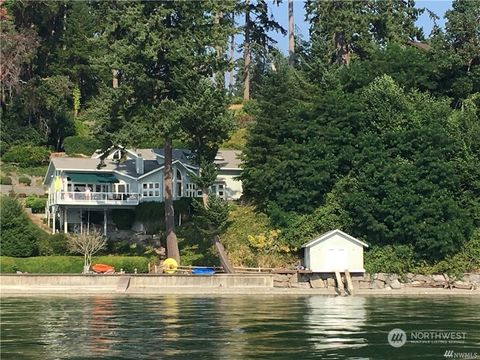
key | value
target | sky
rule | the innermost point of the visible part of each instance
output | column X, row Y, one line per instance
column 280, row 13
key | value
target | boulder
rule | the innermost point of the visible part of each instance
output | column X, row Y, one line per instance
column 438, row 278
column 393, row 277
column 301, row 285
column 378, row 284
column 410, row 277
column 317, row 283
column 280, row 277
column 474, row 278
column 422, row 278
column 281, row 284
column 364, row 285
column 381, row 277
column 395, row 284
column 331, row 282
column 462, row 285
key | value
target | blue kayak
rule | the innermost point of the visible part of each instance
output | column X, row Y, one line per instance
column 203, row 271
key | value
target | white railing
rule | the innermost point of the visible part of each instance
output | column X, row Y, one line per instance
column 75, row 197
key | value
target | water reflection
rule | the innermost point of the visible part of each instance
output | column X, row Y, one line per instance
column 336, row 322
column 226, row 327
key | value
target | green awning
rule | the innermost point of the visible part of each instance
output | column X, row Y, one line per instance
column 92, row 178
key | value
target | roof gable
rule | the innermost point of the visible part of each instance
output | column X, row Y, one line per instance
column 329, row 234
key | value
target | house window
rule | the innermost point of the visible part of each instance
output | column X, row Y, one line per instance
column 151, row 189
column 218, row 190
column 179, row 184
column 191, row 190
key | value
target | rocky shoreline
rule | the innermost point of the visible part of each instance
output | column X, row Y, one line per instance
column 379, row 281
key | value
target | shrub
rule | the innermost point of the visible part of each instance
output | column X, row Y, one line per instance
column 6, row 180
column 70, row 264
column 42, row 264
column 25, row 180
column 80, row 145
column 19, row 235
column 27, row 155
column 123, row 218
column 52, row 245
column 37, row 204
column 397, row 259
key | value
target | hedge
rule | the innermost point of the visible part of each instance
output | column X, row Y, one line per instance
column 70, row 264
column 6, row 180
column 25, row 180
column 27, row 155
column 75, row 145
column 37, row 204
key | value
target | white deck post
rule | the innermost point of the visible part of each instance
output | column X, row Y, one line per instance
column 104, row 222
column 54, row 218
column 65, row 221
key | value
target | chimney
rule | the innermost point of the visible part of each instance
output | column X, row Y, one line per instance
column 139, row 164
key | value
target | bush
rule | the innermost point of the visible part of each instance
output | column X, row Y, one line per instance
column 466, row 260
column 27, row 155
column 75, row 145
column 70, row 264
column 6, row 180
column 19, row 235
column 37, row 204
column 25, row 180
column 123, row 218
column 398, row 259
column 52, row 245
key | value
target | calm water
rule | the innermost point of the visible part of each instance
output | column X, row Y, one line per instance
column 231, row 327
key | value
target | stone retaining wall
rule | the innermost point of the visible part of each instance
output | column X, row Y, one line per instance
column 147, row 283
column 377, row 281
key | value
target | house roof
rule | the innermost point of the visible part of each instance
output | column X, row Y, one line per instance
column 153, row 160
column 229, row 159
column 329, row 234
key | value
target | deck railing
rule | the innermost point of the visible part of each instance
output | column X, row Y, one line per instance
column 72, row 197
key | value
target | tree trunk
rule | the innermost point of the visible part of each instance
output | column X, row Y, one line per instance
column 291, row 34
column 246, row 55
column 222, row 254
column 232, row 60
column 342, row 51
column 219, row 76
column 172, row 245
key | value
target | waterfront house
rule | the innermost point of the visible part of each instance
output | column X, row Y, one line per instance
column 83, row 189
column 334, row 251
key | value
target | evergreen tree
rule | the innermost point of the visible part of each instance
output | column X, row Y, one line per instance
column 159, row 49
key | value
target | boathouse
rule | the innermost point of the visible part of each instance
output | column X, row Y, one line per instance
column 334, row 251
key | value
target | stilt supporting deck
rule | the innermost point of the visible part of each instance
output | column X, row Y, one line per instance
column 54, row 215
column 65, row 221
column 349, row 282
column 340, row 287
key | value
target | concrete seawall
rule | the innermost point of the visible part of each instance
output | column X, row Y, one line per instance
column 55, row 283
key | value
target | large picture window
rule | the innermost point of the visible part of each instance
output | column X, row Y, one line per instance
column 151, row 189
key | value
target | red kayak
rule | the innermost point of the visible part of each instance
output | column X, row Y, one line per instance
column 103, row 269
